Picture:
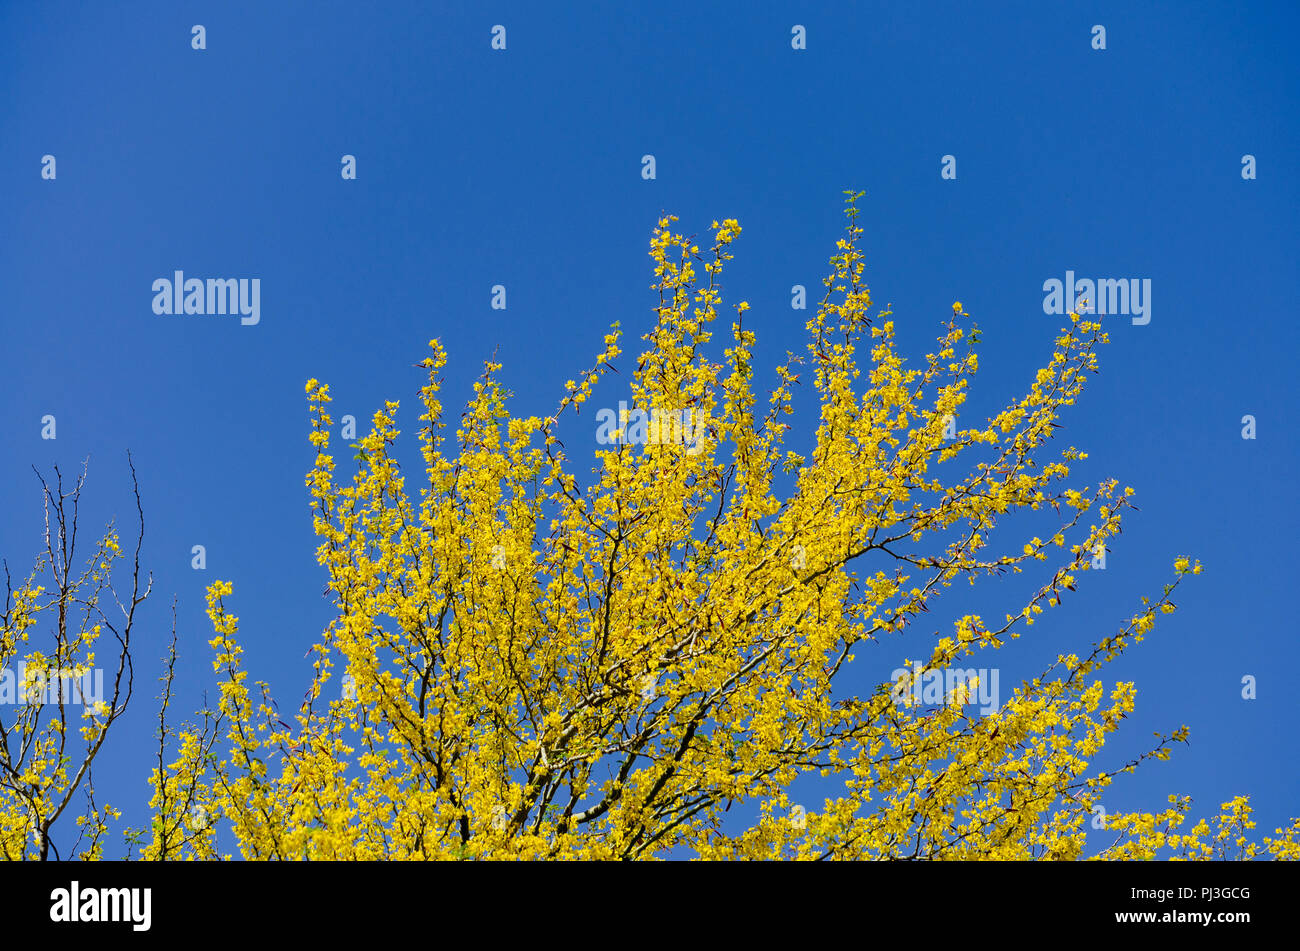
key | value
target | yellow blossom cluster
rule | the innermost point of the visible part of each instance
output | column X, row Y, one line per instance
column 528, row 664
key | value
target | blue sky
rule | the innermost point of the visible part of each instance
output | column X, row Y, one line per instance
column 523, row 168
